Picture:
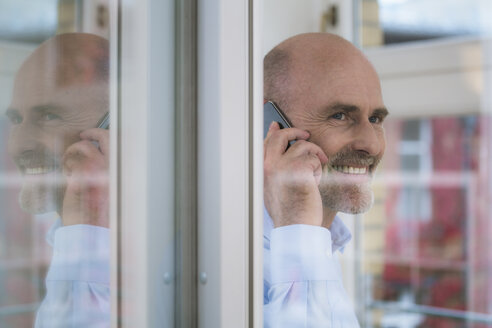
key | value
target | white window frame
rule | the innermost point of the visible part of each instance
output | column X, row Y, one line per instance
column 230, row 157
column 229, row 165
column 142, row 163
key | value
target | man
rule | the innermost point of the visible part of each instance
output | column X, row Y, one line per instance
column 332, row 96
column 60, row 94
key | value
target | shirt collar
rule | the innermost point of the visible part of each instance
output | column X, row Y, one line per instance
column 50, row 235
column 340, row 234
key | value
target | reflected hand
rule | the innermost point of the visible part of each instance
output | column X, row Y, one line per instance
column 85, row 166
column 292, row 176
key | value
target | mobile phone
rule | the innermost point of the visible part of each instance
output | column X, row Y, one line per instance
column 272, row 113
column 104, row 122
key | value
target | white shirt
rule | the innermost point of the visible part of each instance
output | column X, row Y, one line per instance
column 77, row 284
column 302, row 276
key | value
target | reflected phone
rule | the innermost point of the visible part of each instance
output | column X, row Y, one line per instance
column 104, row 122
column 271, row 113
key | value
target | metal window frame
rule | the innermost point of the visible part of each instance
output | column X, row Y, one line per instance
column 186, row 164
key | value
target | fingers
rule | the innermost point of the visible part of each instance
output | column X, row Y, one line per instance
column 277, row 139
column 303, row 147
column 304, row 168
column 99, row 135
column 83, row 156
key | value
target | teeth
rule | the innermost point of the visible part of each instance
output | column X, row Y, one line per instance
column 37, row 170
column 350, row 169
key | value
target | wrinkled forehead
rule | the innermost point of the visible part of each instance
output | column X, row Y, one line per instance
column 40, row 89
column 68, row 59
column 55, row 71
column 44, row 83
column 317, row 73
column 47, row 74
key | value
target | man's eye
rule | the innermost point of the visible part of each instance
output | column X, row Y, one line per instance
column 15, row 119
column 338, row 116
column 49, row 117
column 375, row 119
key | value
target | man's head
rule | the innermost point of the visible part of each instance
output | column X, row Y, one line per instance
column 60, row 90
column 326, row 86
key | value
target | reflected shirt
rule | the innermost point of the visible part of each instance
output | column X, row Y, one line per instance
column 77, row 283
column 302, row 280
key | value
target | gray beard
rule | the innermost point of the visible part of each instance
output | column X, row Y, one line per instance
column 346, row 198
column 38, row 197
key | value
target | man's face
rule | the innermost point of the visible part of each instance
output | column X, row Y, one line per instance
column 342, row 108
column 47, row 116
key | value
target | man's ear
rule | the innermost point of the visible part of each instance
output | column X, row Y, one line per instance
column 264, row 101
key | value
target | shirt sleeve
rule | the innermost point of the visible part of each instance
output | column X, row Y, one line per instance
column 304, row 288
column 77, row 284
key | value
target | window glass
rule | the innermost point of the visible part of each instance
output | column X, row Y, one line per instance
column 54, row 162
column 399, row 21
column 419, row 256
column 424, row 259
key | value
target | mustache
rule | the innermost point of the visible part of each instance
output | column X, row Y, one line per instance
column 37, row 158
column 349, row 156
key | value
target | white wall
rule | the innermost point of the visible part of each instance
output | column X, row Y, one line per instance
column 285, row 18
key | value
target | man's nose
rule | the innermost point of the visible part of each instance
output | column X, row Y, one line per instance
column 368, row 139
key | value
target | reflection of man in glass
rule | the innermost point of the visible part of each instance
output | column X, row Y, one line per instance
column 332, row 96
column 60, row 94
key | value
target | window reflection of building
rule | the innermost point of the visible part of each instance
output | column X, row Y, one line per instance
column 426, row 260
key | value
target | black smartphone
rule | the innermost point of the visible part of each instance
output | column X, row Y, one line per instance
column 104, row 122
column 272, row 113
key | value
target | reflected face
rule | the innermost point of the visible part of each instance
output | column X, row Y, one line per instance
column 47, row 115
column 341, row 105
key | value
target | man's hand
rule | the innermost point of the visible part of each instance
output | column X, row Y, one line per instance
column 85, row 166
column 291, row 177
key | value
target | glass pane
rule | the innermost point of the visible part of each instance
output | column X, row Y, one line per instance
column 419, row 256
column 317, row 175
column 424, row 260
column 54, row 237
column 399, row 21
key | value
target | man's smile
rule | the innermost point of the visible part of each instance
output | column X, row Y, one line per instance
column 37, row 162
column 37, row 170
column 350, row 169
column 347, row 174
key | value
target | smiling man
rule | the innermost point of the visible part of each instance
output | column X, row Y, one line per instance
column 332, row 96
column 61, row 92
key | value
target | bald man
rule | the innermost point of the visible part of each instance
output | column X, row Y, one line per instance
column 60, row 94
column 331, row 94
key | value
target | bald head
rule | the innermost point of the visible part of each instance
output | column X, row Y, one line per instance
column 72, row 68
column 70, row 59
column 291, row 65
